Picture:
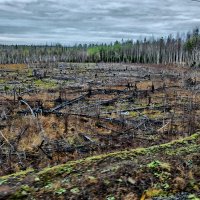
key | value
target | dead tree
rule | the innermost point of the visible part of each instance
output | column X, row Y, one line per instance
column 89, row 94
column 152, row 88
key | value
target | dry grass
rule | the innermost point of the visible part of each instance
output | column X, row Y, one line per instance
column 19, row 67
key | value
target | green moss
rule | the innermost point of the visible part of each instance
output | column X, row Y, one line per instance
column 22, row 193
column 48, row 175
column 68, row 168
column 48, row 186
column 156, row 165
column 45, row 84
column 60, row 191
column 20, row 174
column 188, row 148
column 133, row 114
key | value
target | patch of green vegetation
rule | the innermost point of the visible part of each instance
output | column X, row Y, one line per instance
column 177, row 144
column 2, row 81
column 193, row 197
column 37, row 179
column 45, row 84
column 47, row 174
column 110, row 197
column 23, row 192
column 7, row 88
column 156, row 165
column 160, row 170
column 133, row 114
column 60, row 191
column 30, row 72
column 189, row 149
column 20, row 174
column 75, row 190
column 106, row 182
column 153, row 114
column 66, row 180
column 194, row 185
column 48, row 186
column 3, row 182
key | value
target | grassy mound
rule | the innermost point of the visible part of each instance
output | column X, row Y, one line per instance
column 158, row 172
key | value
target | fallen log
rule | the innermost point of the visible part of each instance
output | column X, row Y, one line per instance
column 66, row 103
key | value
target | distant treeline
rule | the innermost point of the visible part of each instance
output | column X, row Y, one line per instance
column 171, row 50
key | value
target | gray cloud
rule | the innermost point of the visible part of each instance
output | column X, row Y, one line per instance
column 84, row 21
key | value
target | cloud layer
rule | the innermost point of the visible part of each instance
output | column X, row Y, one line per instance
column 85, row 21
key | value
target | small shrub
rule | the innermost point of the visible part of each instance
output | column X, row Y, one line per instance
column 60, row 191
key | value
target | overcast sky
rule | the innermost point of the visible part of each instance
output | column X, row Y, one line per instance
column 85, row 21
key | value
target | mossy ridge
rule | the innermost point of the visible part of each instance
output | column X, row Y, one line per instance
column 121, row 155
column 18, row 175
column 68, row 168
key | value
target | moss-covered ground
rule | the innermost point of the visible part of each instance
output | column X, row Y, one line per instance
column 145, row 173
